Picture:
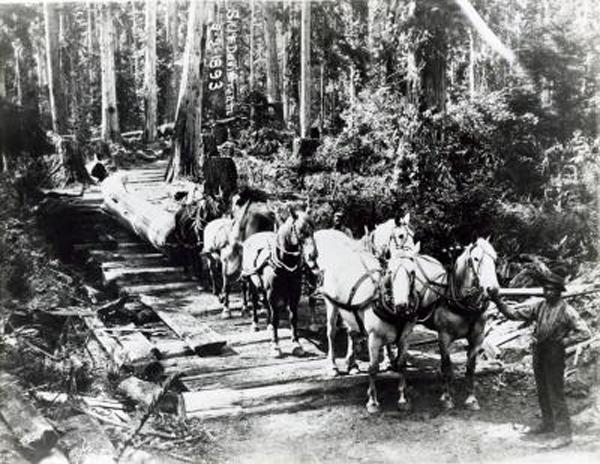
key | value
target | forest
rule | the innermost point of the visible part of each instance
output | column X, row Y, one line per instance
column 416, row 107
column 479, row 118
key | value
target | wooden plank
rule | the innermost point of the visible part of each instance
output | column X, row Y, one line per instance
column 52, row 397
column 170, row 348
column 32, row 431
column 108, row 343
column 159, row 288
column 198, row 336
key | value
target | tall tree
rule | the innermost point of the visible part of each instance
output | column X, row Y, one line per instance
column 110, row 114
column 150, row 91
column 187, row 155
column 273, row 89
column 18, row 80
column 55, row 92
column 172, row 36
column 305, row 79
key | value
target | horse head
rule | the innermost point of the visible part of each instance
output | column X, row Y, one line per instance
column 402, row 238
column 476, row 267
column 400, row 282
column 297, row 235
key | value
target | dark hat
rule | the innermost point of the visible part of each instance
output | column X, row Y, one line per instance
column 552, row 279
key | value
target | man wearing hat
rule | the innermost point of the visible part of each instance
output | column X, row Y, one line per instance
column 338, row 224
column 557, row 325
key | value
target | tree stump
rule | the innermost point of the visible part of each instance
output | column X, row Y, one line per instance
column 220, row 173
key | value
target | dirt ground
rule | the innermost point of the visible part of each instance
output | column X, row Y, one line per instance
column 336, row 429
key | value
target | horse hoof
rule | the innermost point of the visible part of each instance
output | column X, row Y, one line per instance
column 313, row 327
column 448, row 404
column 226, row 313
column 245, row 311
column 255, row 327
column 403, row 406
column 472, row 404
column 333, row 371
column 372, row 408
column 276, row 351
column 352, row 368
column 298, row 351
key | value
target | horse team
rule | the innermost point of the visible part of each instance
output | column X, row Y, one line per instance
column 380, row 285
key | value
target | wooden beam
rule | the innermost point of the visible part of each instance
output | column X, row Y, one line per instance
column 83, row 437
column 198, row 336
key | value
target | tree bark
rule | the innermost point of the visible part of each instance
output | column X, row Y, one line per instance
column 287, row 33
column 186, row 157
column 150, row 92
column 270, row 34
column 51, row 19
column 18, row 84
column 110, row 114
column 172, row 28
column 471, row 66
column 305, row 80
column 2, row 80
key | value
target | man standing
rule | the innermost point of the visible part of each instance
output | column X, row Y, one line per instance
column 557, row 325
column 338, row 224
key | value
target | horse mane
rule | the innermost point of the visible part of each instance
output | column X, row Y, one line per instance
column 251, row 194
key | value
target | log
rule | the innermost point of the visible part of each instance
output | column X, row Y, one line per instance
column 32, row 431
column 572, row 291
column 85, row 441
column 51, row 397
column 171, row 348
column 137, row 349
column 150, row 221
column 55, row 456
column 9, row 451
column 143, row 393
column 139, row 391
column 198, row 336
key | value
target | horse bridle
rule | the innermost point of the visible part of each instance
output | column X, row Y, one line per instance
column 278, row 263
column 413, row 299
column 409, row 234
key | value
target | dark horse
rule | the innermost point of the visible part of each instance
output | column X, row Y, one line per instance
column 272, row 263
column 251, row 215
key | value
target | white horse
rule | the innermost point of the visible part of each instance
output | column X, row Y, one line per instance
column 390, row 239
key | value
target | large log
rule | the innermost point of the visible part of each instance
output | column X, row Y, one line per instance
column 85, row 441
column 32, row 431
column 151, row 222
column 572, row 291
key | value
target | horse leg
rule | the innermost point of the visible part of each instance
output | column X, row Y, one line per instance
column 400, row 361
column 475, row 339
column 275, row 302
column 254, row 296
column 312, row 303
column 350, row 360
column 226, row 313
column 375, row 343
column 244, row 283
column 293, row 298
column 332, row 313
column 444, row 342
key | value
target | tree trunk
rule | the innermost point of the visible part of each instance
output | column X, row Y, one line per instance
column 134, row 33
column 172, row 28
column 251, row 62
column 305, row 81
column 51, row 19
column 270, row 34
column 322, row 97
column 150, row 93
column 2, row 80
column 186, row 157
column 287, row 32
column 18, row 85
column 471, row 66
column 90, row 50
column 110, row 114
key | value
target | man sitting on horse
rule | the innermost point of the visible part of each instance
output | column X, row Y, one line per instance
column 557, row 325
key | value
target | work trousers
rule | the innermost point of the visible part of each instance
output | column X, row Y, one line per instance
column 549, row 370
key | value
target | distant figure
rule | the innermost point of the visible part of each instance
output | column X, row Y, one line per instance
column 557, row 325
column 338, row 224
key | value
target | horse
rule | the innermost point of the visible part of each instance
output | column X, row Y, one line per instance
column 215, row 242
column 250, row 215
column 389, row 238
column 421, row 291
column 450, row 303
column 272, row 263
